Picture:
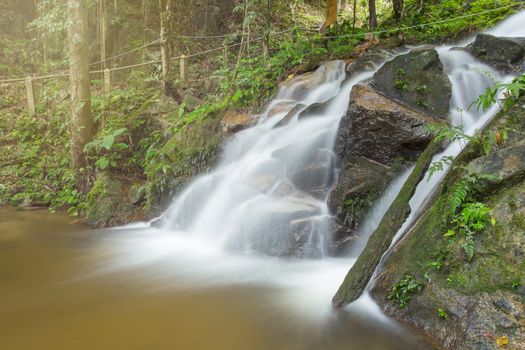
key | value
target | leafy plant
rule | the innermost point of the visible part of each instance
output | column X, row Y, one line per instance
column 400, row 292
column 442, row 314
column 107, row 143
column 512, row 91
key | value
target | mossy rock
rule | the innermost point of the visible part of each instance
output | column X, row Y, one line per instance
column 484, row 298
column 109, row 203
column 418, row 80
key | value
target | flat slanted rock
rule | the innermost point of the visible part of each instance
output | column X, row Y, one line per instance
column 504, row 54
column 417, row 79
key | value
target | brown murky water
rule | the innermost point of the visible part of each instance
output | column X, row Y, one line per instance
column 54, row 296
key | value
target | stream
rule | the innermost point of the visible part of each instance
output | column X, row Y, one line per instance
column 66, row 287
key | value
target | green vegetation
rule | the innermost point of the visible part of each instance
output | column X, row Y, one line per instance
column 400, row 292
column 158, row 143
column 462, row 240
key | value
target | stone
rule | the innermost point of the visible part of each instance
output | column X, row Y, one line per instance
column 315, row 109
column 505, row 166
column 316, row 175
column 286, row 119
column 482, row 297
column 109, row 203
column 280, row 230
column 504, row 54
column 280, row 107
column 380, row 240
column 417, row 79
column 381, row 129
column 233, row 122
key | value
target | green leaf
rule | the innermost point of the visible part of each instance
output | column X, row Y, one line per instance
column 107, row 141
column 102, row 163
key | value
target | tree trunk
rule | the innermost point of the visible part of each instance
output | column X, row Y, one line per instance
column 398, row 10
column 353, row 20
column 103, row 30
column 266, row 41
column 372, row 20
column 165, row 47
column 81, row 118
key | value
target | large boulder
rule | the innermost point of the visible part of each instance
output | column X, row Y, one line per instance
column 417, row 80
column 383, row 130
column 505, row 54
column 377, row 138
column 476, row 303
column 114, row 200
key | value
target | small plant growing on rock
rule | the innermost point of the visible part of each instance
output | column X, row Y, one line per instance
column 442, row 314
column 511, row 91
column 400, row 292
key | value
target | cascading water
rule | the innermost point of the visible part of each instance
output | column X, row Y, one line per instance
column 269, row 192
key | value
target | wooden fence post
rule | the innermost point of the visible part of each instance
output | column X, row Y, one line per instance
column 183, row 68
column 30, row 95
column 107, row 80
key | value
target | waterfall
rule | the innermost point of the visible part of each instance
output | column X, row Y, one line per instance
column 269, row 192
column 267, row 196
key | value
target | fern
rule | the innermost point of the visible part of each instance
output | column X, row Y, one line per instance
column 439, row 165
column 468, row 246
column 461, row 191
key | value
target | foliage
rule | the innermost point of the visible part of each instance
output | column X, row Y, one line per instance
column 442, row 314
column 107, row 143
column 400, row 291
column 511, row 91
column 440, row 11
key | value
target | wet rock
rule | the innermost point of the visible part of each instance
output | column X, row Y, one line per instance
column 315, row 109
column 418, row 80
column 380, row 240
column 483, row 298
column 286, row 119
column 377, row 138
column 314, row 175
column 505, row 166
column 359, row 184
column 109, row 202
column 282, row 230
column 308, row 81
column 505, row 54
column 304, row 237
column 263, row 183
column 233, row 122
column 381, row 129
column 368, row 61
column 281, row 107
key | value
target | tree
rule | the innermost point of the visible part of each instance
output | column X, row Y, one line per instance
column 372, row 19
column 81, row 117
column 165, row 42
column 266, row 41
column 398, row 9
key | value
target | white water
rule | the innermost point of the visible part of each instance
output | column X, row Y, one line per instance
column 226, row 226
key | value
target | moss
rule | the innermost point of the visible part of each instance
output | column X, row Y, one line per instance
column 187, row 152
column 499, row 250
column 361, row 272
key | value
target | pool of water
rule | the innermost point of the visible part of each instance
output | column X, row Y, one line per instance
column 64, row 286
